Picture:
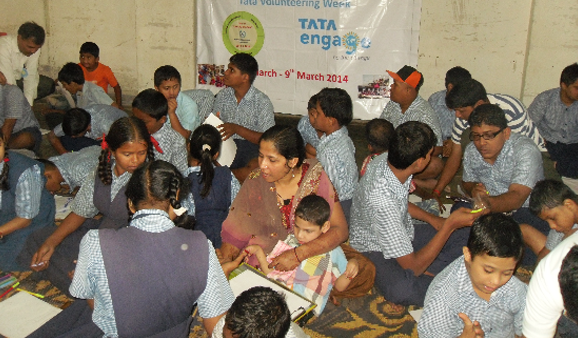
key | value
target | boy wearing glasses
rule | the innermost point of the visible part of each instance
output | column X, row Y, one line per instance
column 463, row 99
column 502, row 167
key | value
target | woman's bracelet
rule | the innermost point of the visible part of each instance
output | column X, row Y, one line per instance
column 1, row 235
column 297, row 257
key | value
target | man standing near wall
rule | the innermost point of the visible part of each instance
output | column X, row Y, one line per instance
column 19, row 61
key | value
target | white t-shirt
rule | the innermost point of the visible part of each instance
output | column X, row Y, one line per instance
column 544, row 304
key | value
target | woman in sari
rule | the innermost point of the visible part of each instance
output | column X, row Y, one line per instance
column 264, row 210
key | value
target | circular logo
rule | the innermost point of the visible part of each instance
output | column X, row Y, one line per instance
column 350, row 41
column 243, row 33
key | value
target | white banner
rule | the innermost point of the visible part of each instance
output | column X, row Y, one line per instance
column 303, row 46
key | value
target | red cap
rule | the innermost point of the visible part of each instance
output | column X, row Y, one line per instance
column 407, row 74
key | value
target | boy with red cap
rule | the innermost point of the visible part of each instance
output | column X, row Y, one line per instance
column 407, row 105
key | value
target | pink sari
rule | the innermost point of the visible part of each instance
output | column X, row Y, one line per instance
column 255, row 218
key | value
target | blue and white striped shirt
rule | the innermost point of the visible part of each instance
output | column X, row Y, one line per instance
column 516, row 114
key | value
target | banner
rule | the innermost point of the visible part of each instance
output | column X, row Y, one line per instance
column 303, row 46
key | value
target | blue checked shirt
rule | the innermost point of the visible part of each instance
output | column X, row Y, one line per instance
column 519, row 162
column 75, row 166
column 102, row 116
column 446, row 115
column 254, row 112
column 83, row 204
column 451, row 292
column 91, row 282
column 380, row 220
column 307, row 131
column 28, row 192
column 516, row 114
column 419, row 110
column 189, row 202
column 555, row 121
column 336, row 153
column 173, row 146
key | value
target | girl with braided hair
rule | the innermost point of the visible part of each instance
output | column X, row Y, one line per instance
column 25, row 204
column 144, row 279
column 213, row 187
column 51, row 253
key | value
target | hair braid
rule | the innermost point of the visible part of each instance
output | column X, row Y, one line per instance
column 105, row 167
column 4, row 184
column 173, row 191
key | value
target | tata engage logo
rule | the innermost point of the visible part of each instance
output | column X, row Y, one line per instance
column 322, row 32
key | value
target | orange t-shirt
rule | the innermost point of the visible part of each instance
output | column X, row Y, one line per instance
column 102, row 76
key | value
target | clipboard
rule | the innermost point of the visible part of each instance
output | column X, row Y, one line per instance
column 245, row 277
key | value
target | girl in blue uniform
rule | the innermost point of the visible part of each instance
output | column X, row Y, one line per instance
column 52, row 253
column 213, row 188
column 25, row 204
column 143, row 280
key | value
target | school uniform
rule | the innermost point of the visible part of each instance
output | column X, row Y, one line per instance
column 26, row 198
column 212, row 210
column 254, row 112
column 382, row 229
column 93, row 197
column 451, row 292
column 156, row 252
column 75, row 166
column 336, row 152
column 171, row 147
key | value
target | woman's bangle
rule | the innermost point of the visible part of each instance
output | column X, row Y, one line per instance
column 437, row 192
column 297, row 257
column 1, row 235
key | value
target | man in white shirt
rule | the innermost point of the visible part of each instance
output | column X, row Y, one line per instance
column 19, row 61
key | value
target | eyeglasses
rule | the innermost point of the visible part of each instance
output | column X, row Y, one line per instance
column 485, row 136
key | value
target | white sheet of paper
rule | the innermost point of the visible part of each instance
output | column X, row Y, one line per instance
column 22, row 314
column 248, row 279
column 416, row 314
column 228, row 148
column 63, row 206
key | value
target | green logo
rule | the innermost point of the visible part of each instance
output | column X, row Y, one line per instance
column 243, row 33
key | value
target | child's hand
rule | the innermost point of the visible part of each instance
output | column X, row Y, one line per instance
column 172, row 105
column 471, row 330
column 352, row 269
column 252, row 249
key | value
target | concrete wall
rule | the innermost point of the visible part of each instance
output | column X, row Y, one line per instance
column 516, row 47
column 135, row 37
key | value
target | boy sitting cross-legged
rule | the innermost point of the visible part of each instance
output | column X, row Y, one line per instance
column 476, row 295
column 315, row 276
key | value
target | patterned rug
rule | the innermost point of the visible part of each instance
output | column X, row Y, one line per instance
column 368, row 317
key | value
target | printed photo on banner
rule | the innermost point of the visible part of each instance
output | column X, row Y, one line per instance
column 304, row 46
